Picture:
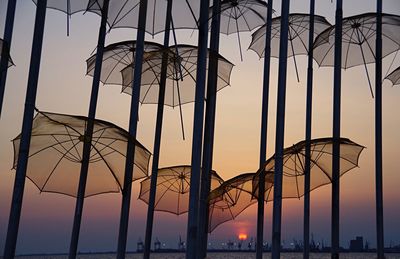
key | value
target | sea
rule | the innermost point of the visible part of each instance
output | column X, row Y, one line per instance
column 216, row 256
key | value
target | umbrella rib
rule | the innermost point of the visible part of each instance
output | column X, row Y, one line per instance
column 70, row 137
column 348, row 47
column 111, row 170
column 55, row 167
column 162, row 195
column 123, row 16
column 65, row 149
column 51, row 146
column 244, row 18
column 103, row 148
column 115, row 66
column 97, row 139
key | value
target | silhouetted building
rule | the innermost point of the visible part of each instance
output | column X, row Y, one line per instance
column 139, row 245
column 356, row 245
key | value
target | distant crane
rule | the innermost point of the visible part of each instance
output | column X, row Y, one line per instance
column 139, row 245
column 157, row 244
column 181, row 244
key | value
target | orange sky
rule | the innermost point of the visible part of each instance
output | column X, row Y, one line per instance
column 64, row 88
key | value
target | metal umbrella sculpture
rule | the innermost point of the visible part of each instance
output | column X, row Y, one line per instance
column 299, row 27
column 231, row 198
column 55, row 155
column 394, row 76
column 240, row 16
column 173, row 189
column 320, row 165
column 124, row 13
column 181, row 75
column 358, row 39
column 69, row 7
column 6, row 47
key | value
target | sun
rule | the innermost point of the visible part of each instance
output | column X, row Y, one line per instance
column 242, row 236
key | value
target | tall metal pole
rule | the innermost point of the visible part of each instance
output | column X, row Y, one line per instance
column 130, row 153
column 209, row 127
column 157, row 138
column 378, row 133
column 337, row 77
column 30, row 99
column 280, row 131
column 264, row 130
column 73, row 249
column 306, row 225
column 8, row 31
column 192, row 227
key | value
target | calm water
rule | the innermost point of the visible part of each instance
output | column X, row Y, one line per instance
column 219, row 256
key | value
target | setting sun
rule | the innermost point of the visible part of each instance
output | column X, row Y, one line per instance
column 242, row 236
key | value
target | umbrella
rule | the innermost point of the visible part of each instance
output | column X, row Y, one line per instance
column 358, row 39
column 394, row 76
column 299, row 27
column 240, row 16
column 231, row 198
column 320, row 165
column 173, row 187
column 6, row 54
column 69, row 7
column 124, row 13
column 55, row 155
column 181, row 75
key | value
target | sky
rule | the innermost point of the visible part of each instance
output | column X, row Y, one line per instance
column 46, row 220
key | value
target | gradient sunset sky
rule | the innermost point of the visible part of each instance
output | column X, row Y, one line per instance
column 46, row 221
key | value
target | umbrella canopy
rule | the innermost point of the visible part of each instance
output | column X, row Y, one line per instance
column 180, row 88
column 116, row 57
column 358, row 39
column 125, row 13
column 320, row 165
column 55, row 155
column 299, row 26
column 10, row 62
column 394, row 76
column 173, row 185
column 231, row 198
column 241, row 15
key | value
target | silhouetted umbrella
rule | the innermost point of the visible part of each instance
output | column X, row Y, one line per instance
column 394, row 76
column 299, row 26
column 10, row 62
column 240, row 16
column 320, row 165
column 124, row 13
column 173, row 185
column 358, row 39
column 55, row 155
column 69, row 7
column 231, row 198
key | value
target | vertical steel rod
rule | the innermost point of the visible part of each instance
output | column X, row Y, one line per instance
column 280, row 131
column 264, row 130
column 30, row 99
column 209, row 127
column 306, row 219
column 73, row 249
column 337, row 77
column 8, row 31
column 157, row 137
column 378, row 134
column 133, row 119
column 194, row 194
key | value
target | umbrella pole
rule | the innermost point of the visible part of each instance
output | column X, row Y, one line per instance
column 366, row 71
column 176, row 49
column 294, row 57
column 208, row 147
column 378, row 134
column 88, row 134
column 238, row 36
column 192, row 227
column 30, row 99
column 68, row 11
column 264, row 130
column 157, row 137
column 337, row 77
column 8, row 30
column 130, row 153
column 307, row 165
column 180, row 110
column 280, row 128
